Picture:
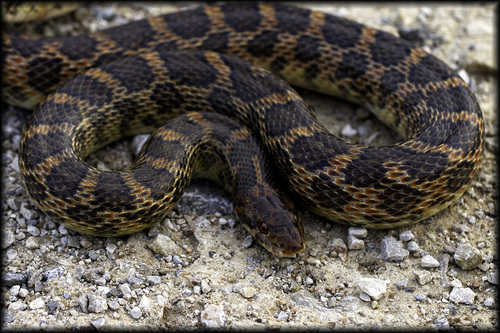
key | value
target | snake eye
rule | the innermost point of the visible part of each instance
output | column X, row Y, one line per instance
column 264, row 228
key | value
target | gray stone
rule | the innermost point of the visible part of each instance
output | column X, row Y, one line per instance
column 357, row 232
column 391, row 249
column 8, row 239
column 247, row 242
column 423, row 277
column 97, row 304
column 11, row 279
column 27, row 213
column 467, row 257
column 442, row 323
column 153, row 280
column 305, row 298
column 53, row 272
column 354, row 243
column 337, row 244
column 33, row 231
column 350, row 304
column 165, row 246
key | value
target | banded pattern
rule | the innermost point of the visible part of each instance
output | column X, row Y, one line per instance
column 413, row 92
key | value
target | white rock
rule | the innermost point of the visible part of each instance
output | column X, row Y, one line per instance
column 349, row 131
column 37, row 303
column 406, row 236
column 248, row 292
column 462, row 295
column 144, row 303
column 17, row 306
column 489, row 302
column 135, row 312
column 205, row 287
column 375, row 288
column 32, row 243
column 213, row 317
column 429, row 261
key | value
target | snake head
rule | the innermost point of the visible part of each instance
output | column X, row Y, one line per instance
column 271, row 219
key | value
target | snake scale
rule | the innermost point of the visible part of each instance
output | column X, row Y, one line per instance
column 194, row 65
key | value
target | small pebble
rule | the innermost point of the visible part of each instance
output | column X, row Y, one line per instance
column 11, row 279
column 248, row 292
column 14, row 290
column 98, row 323
column 32, row 243
column 111, row 248
column 354, row 243
column 247, row 242
column 462, row 295
column 144, row 303
column 406, row 236
column 308, row 281
column 412, row 247
column 489, row 302
column 153, row 280
column 17, row 306
column 357, row 232
column 135, row 312
column 349, row 131
column 28, row 214
column 428, row 261
column 213, row 317
column 402, row 284
column 442, row 323
column 96, row 304
column 337, row 244
column 391, row 249
column 493, row 277
column 375, row 288
column 37, row 303
column 205, row 287
column 423, row 277
column 53, row 272
column 165, row 246
column 33, row 231
column 467, row 257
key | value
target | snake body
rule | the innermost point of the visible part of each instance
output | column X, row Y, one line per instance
column 133, row 81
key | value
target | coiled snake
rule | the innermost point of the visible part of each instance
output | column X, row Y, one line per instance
column 138, row 76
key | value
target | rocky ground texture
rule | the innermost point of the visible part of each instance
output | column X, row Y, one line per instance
column 199, row 268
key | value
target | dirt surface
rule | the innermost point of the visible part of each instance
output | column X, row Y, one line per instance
column 200, row 269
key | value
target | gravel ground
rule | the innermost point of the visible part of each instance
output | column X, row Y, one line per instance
column 200, row 269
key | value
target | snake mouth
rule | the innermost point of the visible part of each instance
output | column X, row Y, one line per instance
column 283, row 243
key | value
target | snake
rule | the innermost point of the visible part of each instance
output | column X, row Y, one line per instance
column 214, row 84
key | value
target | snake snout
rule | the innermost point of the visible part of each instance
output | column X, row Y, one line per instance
column 272, row 221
